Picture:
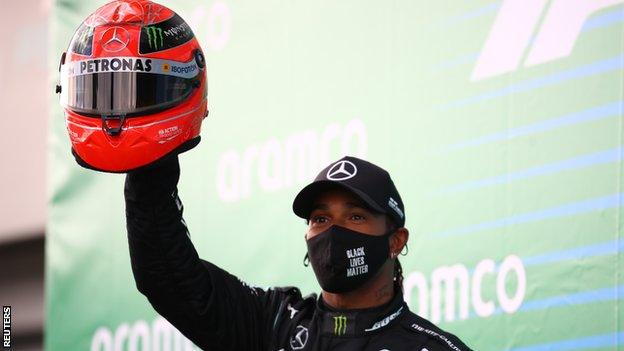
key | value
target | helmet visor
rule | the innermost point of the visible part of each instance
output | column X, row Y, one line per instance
column 116, row 86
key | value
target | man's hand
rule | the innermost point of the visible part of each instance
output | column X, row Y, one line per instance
column 154, row 181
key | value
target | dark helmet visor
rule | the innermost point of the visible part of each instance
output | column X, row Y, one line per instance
column 126, row 85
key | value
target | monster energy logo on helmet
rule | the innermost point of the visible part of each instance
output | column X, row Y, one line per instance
column 165, row 35
column 340, row 325
column 155, row 37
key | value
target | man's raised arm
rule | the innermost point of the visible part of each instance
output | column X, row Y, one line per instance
column 208, row 305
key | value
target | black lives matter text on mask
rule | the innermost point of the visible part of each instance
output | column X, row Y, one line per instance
column 357, row 264
column 6, row 327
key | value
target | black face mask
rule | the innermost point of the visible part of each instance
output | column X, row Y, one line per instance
column 343, row 259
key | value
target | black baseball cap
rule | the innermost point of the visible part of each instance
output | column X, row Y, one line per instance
column 371, row 183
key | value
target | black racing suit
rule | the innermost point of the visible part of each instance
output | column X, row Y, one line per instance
column 217, row 311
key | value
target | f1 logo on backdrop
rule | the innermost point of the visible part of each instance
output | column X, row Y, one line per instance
column 517, row 30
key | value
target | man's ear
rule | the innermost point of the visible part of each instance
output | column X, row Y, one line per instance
column 398, row 240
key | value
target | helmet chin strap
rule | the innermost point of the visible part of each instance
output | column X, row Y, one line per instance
column 112, row 131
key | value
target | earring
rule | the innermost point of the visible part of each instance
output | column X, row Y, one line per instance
column 406, row 250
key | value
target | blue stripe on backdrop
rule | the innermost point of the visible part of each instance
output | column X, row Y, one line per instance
column 569, row 209
column 613, row 109
column 456, row 62
column 604, row 20
column 612, row 247
column 613, row 293
column 604, row 294
column 470, row 15
column 596, row 22
column 588, row 342
column 602, row 66
column 607, row 156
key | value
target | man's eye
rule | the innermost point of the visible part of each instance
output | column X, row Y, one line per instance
column 319, row 219
column 357, row 217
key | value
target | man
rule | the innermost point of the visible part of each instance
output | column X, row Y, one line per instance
column 133, row 100
column 355, row 233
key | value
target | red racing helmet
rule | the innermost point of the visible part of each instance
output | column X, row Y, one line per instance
column 133, row 86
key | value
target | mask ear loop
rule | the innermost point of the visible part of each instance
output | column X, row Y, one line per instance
column 306, row 258
column 388, row 235
column 406, row 249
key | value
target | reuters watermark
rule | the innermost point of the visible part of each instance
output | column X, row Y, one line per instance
column 6, row 327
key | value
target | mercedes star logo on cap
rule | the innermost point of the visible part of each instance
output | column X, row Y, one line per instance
column 115, row 39
column 342, row 170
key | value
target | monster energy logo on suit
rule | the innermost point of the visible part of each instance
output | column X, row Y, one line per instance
column 340, row 325
column 165, row 35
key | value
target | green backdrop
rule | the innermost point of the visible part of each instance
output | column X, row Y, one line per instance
column 500, row 122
